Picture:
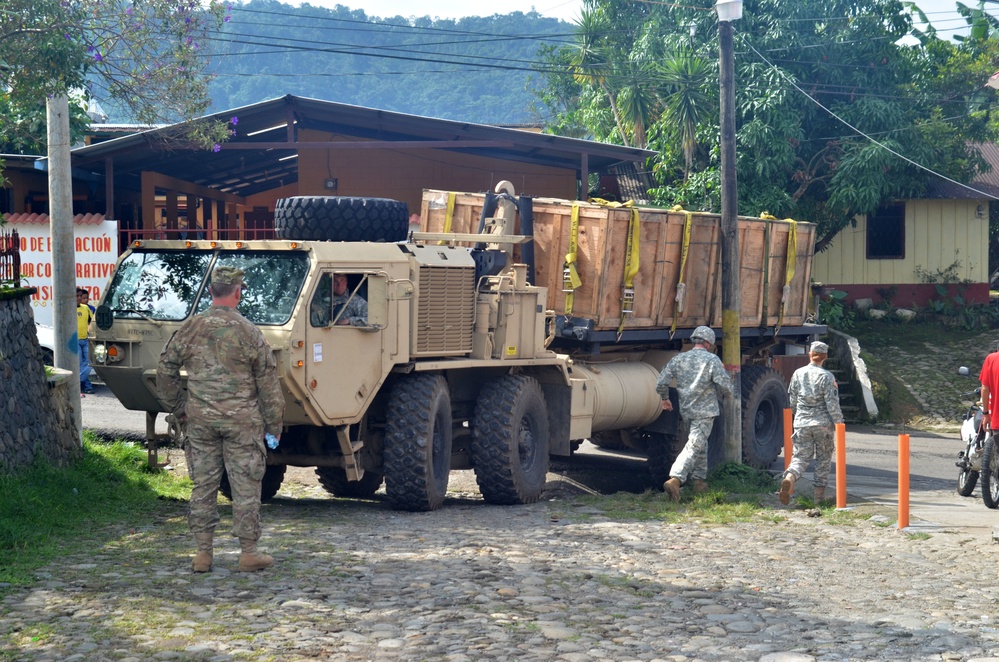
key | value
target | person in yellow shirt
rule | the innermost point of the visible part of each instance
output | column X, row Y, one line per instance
column 84, row 316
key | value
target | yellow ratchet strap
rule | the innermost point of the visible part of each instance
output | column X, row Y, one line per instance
column 681, row 287
column 570, row 276
column 790, row 262
column 630, row 258
column 452, row 197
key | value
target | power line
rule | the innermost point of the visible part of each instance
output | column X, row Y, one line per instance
column 861, row 133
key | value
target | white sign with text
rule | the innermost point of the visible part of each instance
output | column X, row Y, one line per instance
column 96, row 254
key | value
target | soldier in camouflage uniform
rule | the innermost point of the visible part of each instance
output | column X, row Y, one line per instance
column 698, row 373
column 814, row 399
column 233, row 398
column 343, row 308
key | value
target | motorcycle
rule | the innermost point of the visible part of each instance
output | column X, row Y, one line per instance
column 980, row 457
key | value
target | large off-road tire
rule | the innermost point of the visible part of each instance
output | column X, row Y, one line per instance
column 966, row 481
column 418, row 442
column 321, row 218
column 764, row 399
column 269, row 486
column 334, row 480
column 609, row 440
column 510, row 441
column 990, row 473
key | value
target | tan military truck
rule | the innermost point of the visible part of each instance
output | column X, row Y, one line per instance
column 458, row 362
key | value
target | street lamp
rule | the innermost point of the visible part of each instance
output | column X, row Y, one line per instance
column 728, row 11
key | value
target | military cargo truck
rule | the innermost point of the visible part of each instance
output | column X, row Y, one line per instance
column 460, row 361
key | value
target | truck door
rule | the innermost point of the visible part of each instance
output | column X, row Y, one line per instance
column 344, row 336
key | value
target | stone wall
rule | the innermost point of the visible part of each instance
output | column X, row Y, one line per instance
column 37, row 421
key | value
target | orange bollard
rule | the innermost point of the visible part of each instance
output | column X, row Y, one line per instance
column 903, row 481
column 788, row 445
column 841, row 465
column 788, row 431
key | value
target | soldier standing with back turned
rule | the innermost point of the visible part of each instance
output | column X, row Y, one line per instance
column 233, row 399
column 814, row 399
column 699, row 375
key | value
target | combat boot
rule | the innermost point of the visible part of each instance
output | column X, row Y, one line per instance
column 786, row 487
column 672, row 488
column 203, row 559
column 700, row 486
column 251, row 560
column 819, row 495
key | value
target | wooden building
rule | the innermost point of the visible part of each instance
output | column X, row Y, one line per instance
column 909, row 247
column 156, row 186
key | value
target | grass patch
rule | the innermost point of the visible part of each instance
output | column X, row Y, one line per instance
column 736, row 494
column 45, row 510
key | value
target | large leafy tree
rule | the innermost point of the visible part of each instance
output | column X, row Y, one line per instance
column 145, row 57
column 835, row 114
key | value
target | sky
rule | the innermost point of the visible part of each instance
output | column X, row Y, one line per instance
column 941, row 12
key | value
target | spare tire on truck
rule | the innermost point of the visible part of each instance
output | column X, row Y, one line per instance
column 332, row 218
column 764, row 399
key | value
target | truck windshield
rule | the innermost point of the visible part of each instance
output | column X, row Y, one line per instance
column 169, row 285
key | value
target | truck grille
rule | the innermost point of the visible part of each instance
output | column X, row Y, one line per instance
column 445, row 311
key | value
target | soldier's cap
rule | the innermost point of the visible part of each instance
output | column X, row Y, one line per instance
column 819, row 347
column 703, row 333
column 227, row 276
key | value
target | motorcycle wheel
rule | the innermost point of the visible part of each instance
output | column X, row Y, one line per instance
column 990, row 473
column 966, row 482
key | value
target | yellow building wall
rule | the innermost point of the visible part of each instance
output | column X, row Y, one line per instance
column 938, row 233
column 403, row 174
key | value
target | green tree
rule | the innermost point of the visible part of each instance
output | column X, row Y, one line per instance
column 148, row 58
column 835, row 115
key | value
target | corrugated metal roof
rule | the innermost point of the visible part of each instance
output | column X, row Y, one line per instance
column 241, row 169
column 985, row 185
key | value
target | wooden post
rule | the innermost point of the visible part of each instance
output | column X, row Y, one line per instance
column 731, row 300
column 67, row 347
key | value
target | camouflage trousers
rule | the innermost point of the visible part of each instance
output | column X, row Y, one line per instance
column 240, row 452
column 692, row 462
column 814, row 441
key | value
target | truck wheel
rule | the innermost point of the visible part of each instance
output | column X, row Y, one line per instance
column 510, row 439
column 418, row 443
column 764, row 399
column 323, row 218
column 334, row 480
column 609, row 441
column 269, row 486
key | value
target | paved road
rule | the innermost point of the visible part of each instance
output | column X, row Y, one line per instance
column 871, row 463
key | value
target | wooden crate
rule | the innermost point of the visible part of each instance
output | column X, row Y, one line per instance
column 602, row 240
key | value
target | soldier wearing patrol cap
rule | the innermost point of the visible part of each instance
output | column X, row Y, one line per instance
column 814, row 398
column 699, row 373
column 233, row 399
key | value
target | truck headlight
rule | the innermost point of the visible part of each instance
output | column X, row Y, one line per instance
column 100, row 353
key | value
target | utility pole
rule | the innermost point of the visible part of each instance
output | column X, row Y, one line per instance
column 67, row 347
column 728, row 11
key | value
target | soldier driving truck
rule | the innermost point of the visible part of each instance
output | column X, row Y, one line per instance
column 477, row 350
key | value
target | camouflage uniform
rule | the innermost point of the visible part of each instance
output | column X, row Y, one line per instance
column 814, row 399
column 354, row 310
column 233, row 398
column 697, row 372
